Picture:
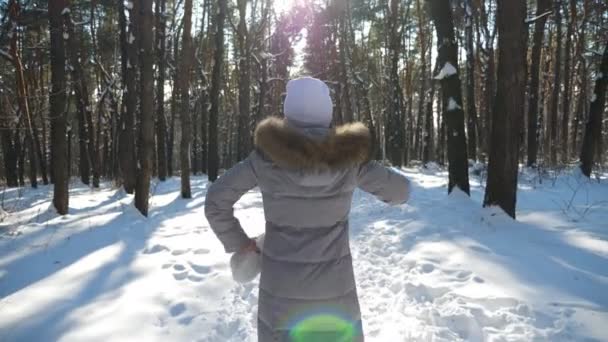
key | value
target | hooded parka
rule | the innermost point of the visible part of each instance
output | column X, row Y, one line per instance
column 307, row 176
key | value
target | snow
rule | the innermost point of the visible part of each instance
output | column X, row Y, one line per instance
column 66, row 36
column 594, row 97
column 447, row 71
column 440, row 268
column 131, row 38
column 533, row 19
column 129, row 5
column 65, row 11
column 453, row 105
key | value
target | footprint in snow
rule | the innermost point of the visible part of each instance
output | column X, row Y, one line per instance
column 177, row 309
column 180, row 252
column 155, row 249
column 427, row 268
column 200, row 269
column 201, row 251
column 180, row 275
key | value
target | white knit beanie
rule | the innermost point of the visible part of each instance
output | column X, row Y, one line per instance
column 308, row 102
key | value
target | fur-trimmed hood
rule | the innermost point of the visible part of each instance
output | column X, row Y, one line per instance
column 344, row 146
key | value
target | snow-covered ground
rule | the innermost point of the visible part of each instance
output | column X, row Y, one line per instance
column 440, row 268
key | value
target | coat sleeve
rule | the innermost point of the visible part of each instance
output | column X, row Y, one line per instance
column 219, row 202
column 386, row 184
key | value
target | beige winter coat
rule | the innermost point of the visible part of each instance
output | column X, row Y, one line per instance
column 307, row 177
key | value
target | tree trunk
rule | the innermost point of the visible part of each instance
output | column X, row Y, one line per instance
column 20, row 159
column 452, row 96
column 593, row 129
column 126, row 140
column 395, row 140
column 428, row 147
column 556, row 85
column 582, row 82
column 542, row 6
column 216, row 85
column 184, row 86
column 571, row 19
column 472, row 125
column 509, row 105
column 243, row 39
column 146, row 134
column 9, row 151
column 422, row 39
column 58, row 114
column 22, row 96
column 161, row 122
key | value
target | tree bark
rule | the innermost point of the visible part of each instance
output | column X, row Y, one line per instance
column 452, row 97
column 593, row 129
column 216, row 85
column 472, row 124
column 395, row 140
column 571, row 19
column 501, row 188
column 146, row 134
column 556, row 85
column 244, row 47
column 542, row 6
column 58, row 113
column 22, row 95
column 9, row 151
column 184, row 86
column 161, row 121
column 126, row 143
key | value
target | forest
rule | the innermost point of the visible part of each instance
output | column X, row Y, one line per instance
column 129, row 91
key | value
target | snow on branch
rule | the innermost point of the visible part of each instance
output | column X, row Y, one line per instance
column 453, row 105
column 6, row 55
column 65, row 11
column 532, row 20
column 447, row 71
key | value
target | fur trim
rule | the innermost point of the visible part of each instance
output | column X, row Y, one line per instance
column 344, row 146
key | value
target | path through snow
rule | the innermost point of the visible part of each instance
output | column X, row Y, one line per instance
column 438, row 269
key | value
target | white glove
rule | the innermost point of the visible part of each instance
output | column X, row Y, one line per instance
column 245, row 266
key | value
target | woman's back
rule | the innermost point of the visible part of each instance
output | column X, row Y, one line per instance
column 307, row 175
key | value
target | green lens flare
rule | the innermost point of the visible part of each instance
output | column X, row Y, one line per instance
column 323, row 328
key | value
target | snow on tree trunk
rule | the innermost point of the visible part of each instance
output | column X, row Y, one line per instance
column 452, row 96
column 509, row 106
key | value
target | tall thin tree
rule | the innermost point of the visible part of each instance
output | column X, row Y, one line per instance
column 146, row 132
column 556, row 85
column 501, row 188
column 184, row 74
column 542, row 6
column 216, row 85
column 593, row 130
column 126, row 140
column 452, row 96
column 58, row 112
column 161, row 121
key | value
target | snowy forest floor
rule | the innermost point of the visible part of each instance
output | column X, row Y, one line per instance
column 440, row 268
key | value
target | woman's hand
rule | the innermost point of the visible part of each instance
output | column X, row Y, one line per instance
column 250, row 247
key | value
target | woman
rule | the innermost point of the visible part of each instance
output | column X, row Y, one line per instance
column 307, row 173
